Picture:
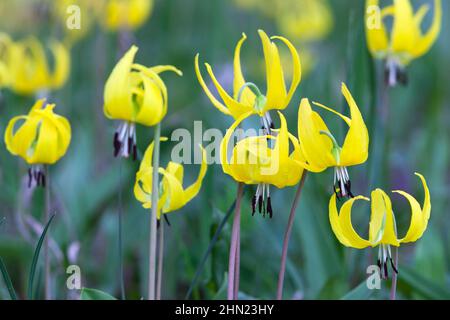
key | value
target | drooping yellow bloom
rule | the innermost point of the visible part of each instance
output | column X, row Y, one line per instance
column 320, row 147
column 172, row 194
column 29, row 70
column 406, row 41
column 263, row 160
column 304, row 20
column 134, row 94
column 126, row 14
column 42, row 138
column 246, row 96
column 382, row 227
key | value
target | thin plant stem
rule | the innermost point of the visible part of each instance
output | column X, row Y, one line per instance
column 153, row 216
column 394, row 276
column 160, row 260
column 120, row 233
column 237, row 265
column 233, row 281
column 47, row 279
column 287, row 236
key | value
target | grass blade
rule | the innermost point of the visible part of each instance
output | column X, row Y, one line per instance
column 94, row 294
column 36, row 258
column 208, row 251
column 7, row 279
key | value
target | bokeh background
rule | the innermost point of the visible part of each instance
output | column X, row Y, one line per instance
column 87, row 181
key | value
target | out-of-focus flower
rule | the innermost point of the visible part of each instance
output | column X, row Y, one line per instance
column 406, row 41
column 382, row 227
column 42, row 138
column 246, row 96
column 321, row 149
column 263, row 160
column 125, row 14
column 304, row 20
column 134, row 94
column 172, row 194
column 5, row 59
column 29, row 70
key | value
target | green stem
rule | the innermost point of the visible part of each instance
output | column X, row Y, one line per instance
column 153, row 216
column 47, row 279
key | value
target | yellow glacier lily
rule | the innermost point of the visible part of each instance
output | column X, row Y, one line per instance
column 246, row 96
column 172, row 194
column 406, row 41
column 42, row 138
column 29, row 70
column 126, row 14
column 134, row 94
column 321, row 149
column 382, row 227
column 263, row 160
column 5, row 59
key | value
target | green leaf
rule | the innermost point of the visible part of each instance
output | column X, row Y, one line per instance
column 7, row 279
column 94, row 294
column 421, row 285
column 361, row 292
column 221, row 294
column 36, row 258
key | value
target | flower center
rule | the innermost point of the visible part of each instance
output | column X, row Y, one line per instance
column 342, row 185
column 394, row 73
column 36, row 175
column 262, row 200
column 384, row 259
column 260, row 100
column 125, row 141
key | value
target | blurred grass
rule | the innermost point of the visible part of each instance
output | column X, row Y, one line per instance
column 86, row 180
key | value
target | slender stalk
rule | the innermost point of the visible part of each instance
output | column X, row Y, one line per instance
column 160, row 260
column 233, row 281
column 287, row 236
column 47, row 279
column 120, row 234
column 153, row 216
column 237, row 265
column 394, row 276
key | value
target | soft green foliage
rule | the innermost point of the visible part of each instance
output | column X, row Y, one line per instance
column 86, row 181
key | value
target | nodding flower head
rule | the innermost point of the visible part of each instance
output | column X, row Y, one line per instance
column 172, row 194
column 42, row 138
column 263, row 160
column 382, row 227
column 246, row 96
column 321, row 149
column 134, row 94
column 406, row 40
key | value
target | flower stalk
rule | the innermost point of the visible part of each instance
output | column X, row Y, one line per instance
column 47, row 284
column 120, row 235
column 153, row 216
column 394, row 276
column 160, row 260
column 287, row 236
column 233, row 264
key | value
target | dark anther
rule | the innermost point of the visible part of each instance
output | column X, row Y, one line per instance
column 130, row 144
column 402, row 77
column 166, row 219
column 253, row 205
column 338, row 191
column 30, row 178
column 379, row 264
column 260, row 204
column 43, row 180
column 385, row 270
column 272, row 127
column 348, row 186
column 117, row 144
column 393, row 266
column 134, row 152
column 269, row 207
column 158, row 223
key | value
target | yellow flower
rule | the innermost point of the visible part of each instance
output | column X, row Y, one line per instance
column 305, row 20
column 406, row 41
column 246, row 96
column 172, row 194
column 382, row 227
column 29, row 69
column 5, row 59
column 134, row 94
column 321, row 149
column 263, row 160
column 126, row 14
column 42, row 138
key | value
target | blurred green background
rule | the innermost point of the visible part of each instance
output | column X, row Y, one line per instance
column 86, row 182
